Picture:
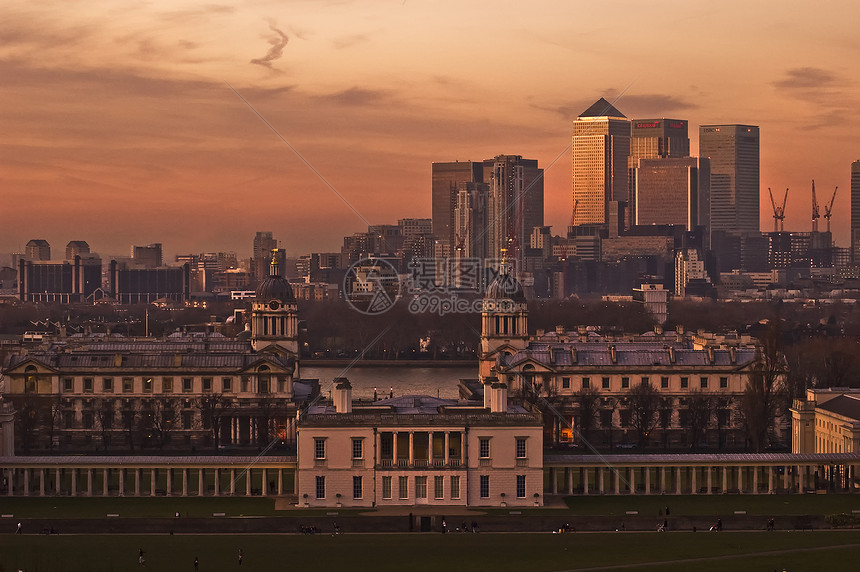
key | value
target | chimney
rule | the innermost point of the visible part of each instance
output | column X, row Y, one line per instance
column 573, row 356
column 613, row 354
column 710, row 354
column 488, row 390
column 671, row 354
column 499, row 401
column 342, row 395
column 583, row 333
column 733, row 355
column 559, row 330
column 658, row 329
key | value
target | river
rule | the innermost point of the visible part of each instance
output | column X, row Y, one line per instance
column 403, row 380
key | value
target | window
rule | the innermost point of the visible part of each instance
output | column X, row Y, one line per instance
column 521, row 486
column 282, row 384
column 421, row 487
column 263, row 383
column 167, row 385
column 147, row 385
column 605, row 383
column 386, row 487
column 703, row 382
column 319, row 448
column 484, row 447
column 88, row 385
column 226, row 384
column 320, row 487
column 356, row 487
column 485, row 486
column 455, row 487
column 207, row 384
column 68, row 384
column 127, row 384
column 724, row 382
column 664, row 382
column 624, row 417
column 187, row 384
column 625, row 382
column 438, row 487
column 246, row 381
column 586, row 382
column 403, row 486
column 565, row 383
column 68, row 419
column 646, row 380
column 108, row 384
column 187, row 420
column 685, row 382
column 521, row 447
column 87, row 419
column 357, row 449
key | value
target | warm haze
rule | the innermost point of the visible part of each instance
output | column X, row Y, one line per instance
column 119, row 126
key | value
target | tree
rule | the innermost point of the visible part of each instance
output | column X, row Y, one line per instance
column 213, row 407
column 587, row 401
column 104, row 413
column 700, row 409
column 764, row 395
column 161, row 420
column 130, row 422
column 643, row 400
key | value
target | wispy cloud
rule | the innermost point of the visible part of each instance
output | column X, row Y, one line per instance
column 277, row 43
column 345, row 42
column 805, row 78
column 357, row 96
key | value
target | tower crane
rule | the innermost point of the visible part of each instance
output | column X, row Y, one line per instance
column 828, row 209
column 815, row 213
column 778, row 212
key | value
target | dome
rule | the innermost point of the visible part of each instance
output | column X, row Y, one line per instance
column 275, row 288
column 505, row 287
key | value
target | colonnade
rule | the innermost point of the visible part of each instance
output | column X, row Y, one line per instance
column 443, row 449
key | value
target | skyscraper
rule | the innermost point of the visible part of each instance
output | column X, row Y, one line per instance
column 601, row 146
column 446, row 178
column 658, row 138
column 855, row 211
column 670, row 191
column 515, row 203
column 734, row 154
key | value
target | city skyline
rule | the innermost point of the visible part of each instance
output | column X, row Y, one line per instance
column 121, row 127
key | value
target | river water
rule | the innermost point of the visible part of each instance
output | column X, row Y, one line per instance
column 403, row 380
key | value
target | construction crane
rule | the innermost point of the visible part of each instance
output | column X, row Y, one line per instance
column 828, row 209
column 815, row 213
column 778, row 212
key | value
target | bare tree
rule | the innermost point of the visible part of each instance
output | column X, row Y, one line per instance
column 130, row 422
column 644, row 401
column 764, row 395
column 700, row 409
column 104, row 417
column 213, row 407
column 53, row 419
column 587, row 401
column 162, row 415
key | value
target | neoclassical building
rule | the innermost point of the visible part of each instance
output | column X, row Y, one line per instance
column 826, row 421
column 185, row 392
column 419, row 450
column 587, row 384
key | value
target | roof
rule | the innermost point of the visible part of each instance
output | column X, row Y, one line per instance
column 602, row 108
column 635, row 354
column 845, row 405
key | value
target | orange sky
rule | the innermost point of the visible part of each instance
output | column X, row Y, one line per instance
column 119, row 127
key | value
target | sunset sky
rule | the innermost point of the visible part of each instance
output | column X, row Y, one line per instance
column 119, row 125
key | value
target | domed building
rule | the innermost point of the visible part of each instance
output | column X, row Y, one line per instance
column 274, row 322
column 504, row 320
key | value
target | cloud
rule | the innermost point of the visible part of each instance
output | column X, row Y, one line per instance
column 657, row 104
column 805, row 78
column 276, row 48
column 350, row 41
column 356, row 96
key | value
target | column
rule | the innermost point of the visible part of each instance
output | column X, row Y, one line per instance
column 725, row 479
column 217, row 490
column 447, row 447
column 632, row 472
column 41, row 482
column 553, row 479
column 740, row 479
column 377, row 451
column 137, row 478
column 121, row 491
column 770, row 480
column 710, row 479
column 663, row 479
column 280, row 482
column 26, row 482
column 234, row 430
column 600, row 480
column 168, row 489
column 201, row 482
column 10, row 480
column 394, row 448
column 248, row 483
column 801, row 478
column 755, row 480
column 105, row 483
column 647, row 480
column 786, row 475
column 232, row 482
column 185, row 482
column 617, row 481
column 411, row 448
column 153, row 477
column 568, row 479
column 74, row 483
column 430, row 448
column 678, row 480
column 265, row 482
column 585, row 474
column 57, row 481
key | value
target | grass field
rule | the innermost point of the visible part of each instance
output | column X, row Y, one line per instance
column 667, row 552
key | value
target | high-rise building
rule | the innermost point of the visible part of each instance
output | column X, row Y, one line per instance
column 734, row 154
column 470, row 221
column 671, row 191
column 77, row 248
column 515, row 203
column 855, row 211
column 38, row 250
column 264, row 244
column 446, row 178
column 600, row 150
column 658, row 138
column 149, row 256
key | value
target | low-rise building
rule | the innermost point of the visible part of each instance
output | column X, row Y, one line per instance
column 826, row 421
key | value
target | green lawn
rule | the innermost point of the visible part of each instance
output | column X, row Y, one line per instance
column 673, row 551
column 98, row 507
